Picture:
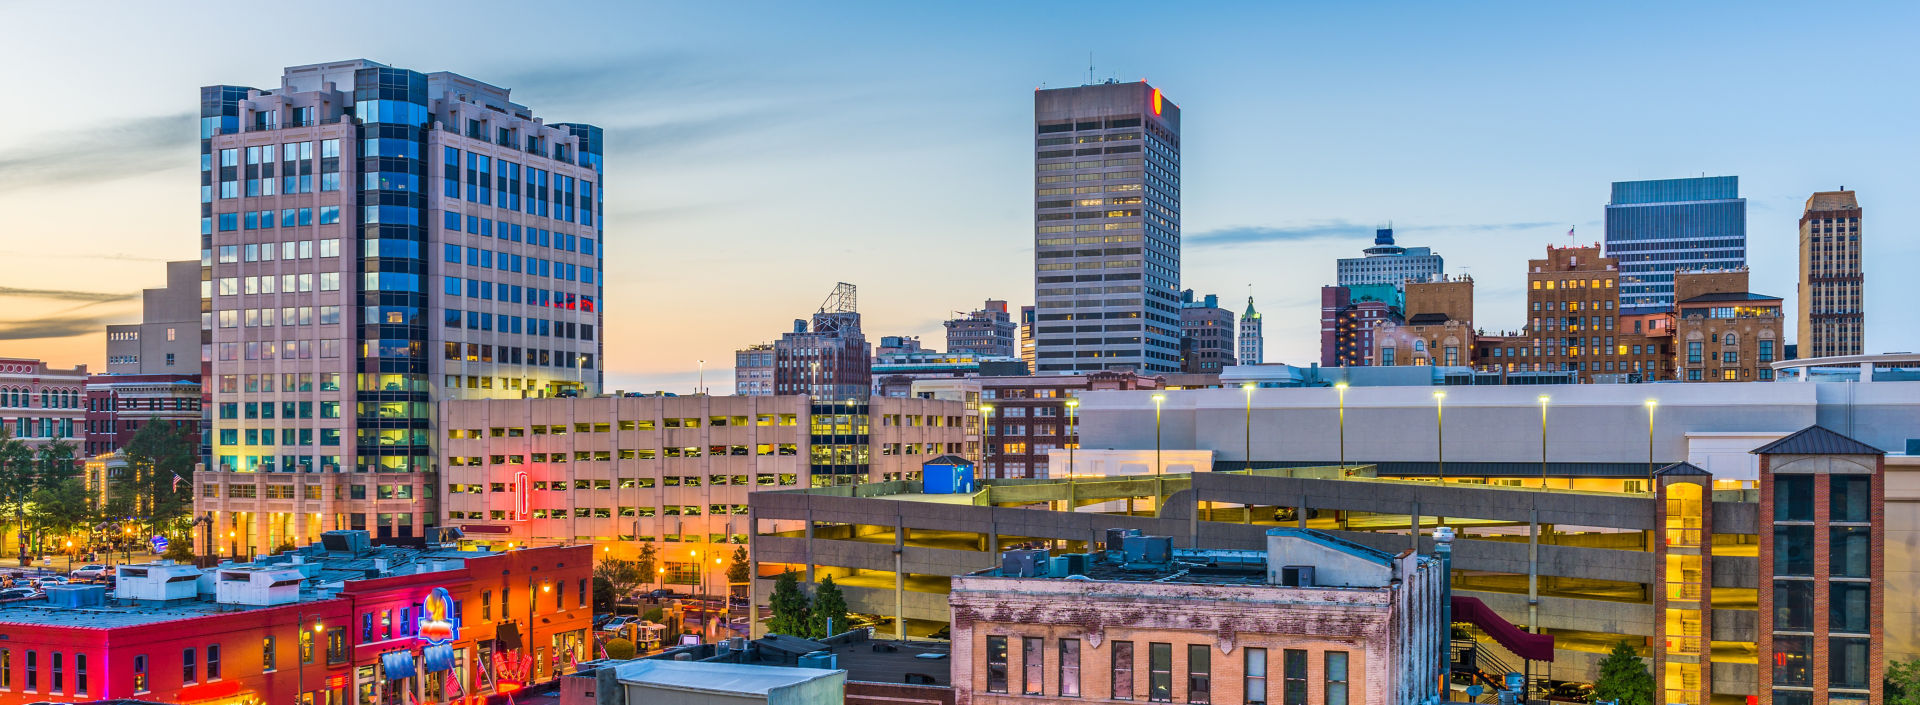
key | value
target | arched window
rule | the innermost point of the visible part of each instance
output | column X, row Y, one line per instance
column 1730, row 339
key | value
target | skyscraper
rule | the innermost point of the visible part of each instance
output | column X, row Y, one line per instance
column 989, row 331
column 1206, row 334
column 1253, row 343
column 1832, row 307
column 1387, row 263
column 832, row 361
column 1106, row 229
column 380, row 239
column 1655, row 228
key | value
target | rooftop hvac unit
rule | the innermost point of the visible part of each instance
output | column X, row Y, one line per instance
column 1148, row 549
column 345, row 541
column 1069, row 564
column 1024, row 563
column 819, row 659
column 1116, row 537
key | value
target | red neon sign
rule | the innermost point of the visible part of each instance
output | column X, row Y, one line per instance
column 1156, row 102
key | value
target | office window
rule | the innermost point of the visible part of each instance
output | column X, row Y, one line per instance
column 1336, row 675
column 996, row 664
column 1848, row 609
column 1294, row 663
column 1069, row 668
column 1846, row 663
column 1256, row 677
column 1122, row 670
column 1033, row 674
column 1160, row 672
column 1849, row 555
column 1792, row 660
column 1793, row 605
column 189, row 671
column 1851, row 498
column 1199, row 674
column 1793, row 498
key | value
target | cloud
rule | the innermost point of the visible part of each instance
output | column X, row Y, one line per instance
column 61, row 327
column 1256, row 235
column 65, row 295
column 117, row 256
column 124, row 148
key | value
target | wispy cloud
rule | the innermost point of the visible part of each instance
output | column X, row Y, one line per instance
column 1257, row 234
column 126, row 148
column 65, row 295
column 44, row 328
column 116, row 256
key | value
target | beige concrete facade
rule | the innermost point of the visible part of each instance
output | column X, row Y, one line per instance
column 620, row 472
column 1831, row 291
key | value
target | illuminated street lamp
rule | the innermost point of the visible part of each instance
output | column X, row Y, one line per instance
column 1651, row 403
column 1158, row 399
column 1543, row 445
column 1071, row 405
column 1341, row 388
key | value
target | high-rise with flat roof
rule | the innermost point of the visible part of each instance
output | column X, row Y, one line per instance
column 988, row 331
column 1655, row 228
column 1832, row 305
column 1106, row 229
column 378, row 239
column 1387, row 263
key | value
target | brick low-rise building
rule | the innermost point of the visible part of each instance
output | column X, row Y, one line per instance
column 119, row 405
column 40, row 404
column 1722, row 332
column 1312, row 618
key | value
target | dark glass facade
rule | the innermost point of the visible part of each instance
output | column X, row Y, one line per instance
column 1656, row 228
column 394, row 409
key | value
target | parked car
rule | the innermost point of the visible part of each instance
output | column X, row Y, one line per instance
column 89, row 572
column 1570, row 692
column 617, row 623
column 665, row 593
column 944, row 632
column 46, row 580
column 18, row 593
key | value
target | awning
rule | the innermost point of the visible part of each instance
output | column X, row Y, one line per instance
column 396, row 665
column 508, row 634
column 437, row 657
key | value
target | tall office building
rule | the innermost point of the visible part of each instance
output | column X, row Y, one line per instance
column 989, row 331
column 1206, row 334
column 1106, row 229
column 1655, row 228
column 830, row 361
column 753, row 370
column 1026, row 336
column 1253, row 342
column 1831, row 291
column 380, row 239
column 1387, row 263
column 167, row 338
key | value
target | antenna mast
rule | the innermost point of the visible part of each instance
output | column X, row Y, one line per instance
column 1089, row 68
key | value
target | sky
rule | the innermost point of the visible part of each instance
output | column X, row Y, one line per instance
column 760, row 152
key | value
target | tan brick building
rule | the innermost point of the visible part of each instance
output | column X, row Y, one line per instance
column 1831, row 303
column 1721, row 331
column 1438, row 329
column 1312, row 618
column 1573, row 302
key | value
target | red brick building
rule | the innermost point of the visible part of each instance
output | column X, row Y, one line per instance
column 356, row 624
column 119, row 405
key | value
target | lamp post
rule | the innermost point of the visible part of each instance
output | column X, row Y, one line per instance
column 986, row 436
column 1543, row 445
column 1248, row 387
column 1158, row 399
column 1651, row 403
column 1341, row 388
column 1440, row 434
column 702, row 389
column 1073, row 439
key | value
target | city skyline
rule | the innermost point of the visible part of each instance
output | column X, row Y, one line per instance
column 727, row 158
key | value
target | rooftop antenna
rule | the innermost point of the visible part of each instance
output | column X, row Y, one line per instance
column 1089, row 68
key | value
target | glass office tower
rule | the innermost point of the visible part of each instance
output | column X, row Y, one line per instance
column 1656, row 228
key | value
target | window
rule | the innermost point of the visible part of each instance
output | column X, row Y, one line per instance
column 1848, row 608
column 306, row 646
column 1846, row 663
column 1793, row 498
column 1336, row 689
column 1793, row 605
column 59, row 672
column 6, row 669
column 140, row 684
column 1160, row 672
column 1256, row 676
column 189, row 672
column 79, row 674
column 1199, row 673
column 1122, row 667
column 996, row 664
column 1849, row 554
column 1295, row 665
column 1033, row 674
column 1792, row 660
column 1693, row 352
column 267, row 660
column 1849, row 501
column 1069, row 668
column 337, row 645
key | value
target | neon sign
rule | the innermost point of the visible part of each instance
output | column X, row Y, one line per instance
column 1156, row 102
column 438, row 622
column 520, row 492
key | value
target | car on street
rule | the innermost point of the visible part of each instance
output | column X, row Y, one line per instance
column 45, row 580
column 665, row 593
column 89, row 572
column 18, row 593
column 618, row 623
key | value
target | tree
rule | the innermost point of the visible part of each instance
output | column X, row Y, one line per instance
column 829, row 613
column 622, row 576
column 59, row 507
column 646, row 562
column 16, row 483
column 790, row 607
column 1903, row 682
column 1624, row 678
column 619, row 649
column 603, row 595
column 56, row 462
column 741, row 569
column 179, row 552
column 159, row 484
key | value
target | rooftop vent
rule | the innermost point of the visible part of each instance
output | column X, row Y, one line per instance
column 1148, row 549
column 1295, row 576
column 1115, row 537
column 77, row 596
column 157, row 582
column 1024, row 563
column 346, row 541
column 258, row 587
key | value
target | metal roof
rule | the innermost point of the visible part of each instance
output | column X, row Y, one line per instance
column 1817, row 440
column 1339, row 544
column 1681, row 469
column 711, row 677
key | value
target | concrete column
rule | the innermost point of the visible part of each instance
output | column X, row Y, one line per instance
column 1533, row 570
column 809, row 544
column 899, row 578
column 1300, row 513
column 1415, row 539
column 755, row 629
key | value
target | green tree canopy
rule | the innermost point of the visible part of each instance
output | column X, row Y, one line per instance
column 741, row 569
column 829, row 613
column 789, row 607
column 622, row 576
column 603, row 595
column 619, row 649
column 159, row 486
column 1903, row 682
column 1624, row 678
column 17, row 481
column 646, row 562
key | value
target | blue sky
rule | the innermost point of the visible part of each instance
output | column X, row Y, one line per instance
column 760, row 152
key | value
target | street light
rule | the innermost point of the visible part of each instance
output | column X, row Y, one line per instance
column 1158, row 399
column 1072, row 439
column 987, row 411
column 1651, row 403
column 1248, row 387
column 1543, row 445
column 1440, row 434
column 1341, row 388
